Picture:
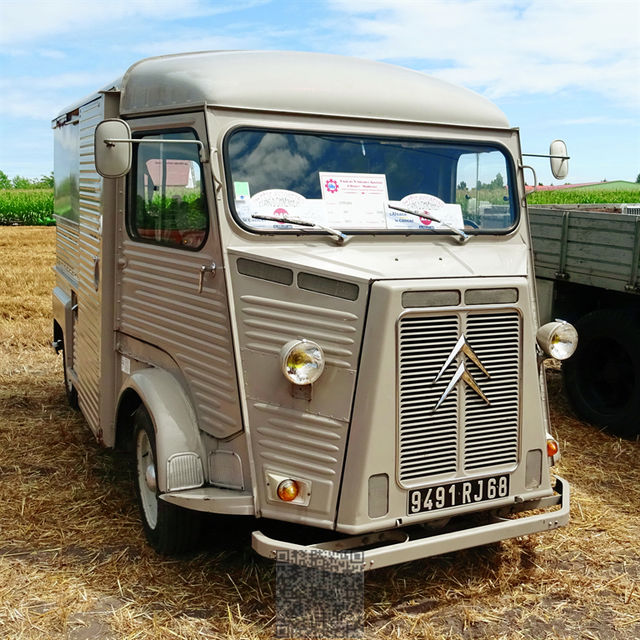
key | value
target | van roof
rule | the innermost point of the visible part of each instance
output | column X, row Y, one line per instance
column 296, row 82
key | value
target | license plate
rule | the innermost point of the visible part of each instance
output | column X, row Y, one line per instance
column 457, row 494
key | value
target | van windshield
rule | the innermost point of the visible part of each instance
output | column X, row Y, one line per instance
column 348, row 182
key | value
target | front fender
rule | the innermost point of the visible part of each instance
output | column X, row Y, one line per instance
column 179, row 449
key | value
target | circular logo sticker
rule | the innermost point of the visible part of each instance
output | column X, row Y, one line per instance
column 280, row 212
column 423, row 202
column 331, row 186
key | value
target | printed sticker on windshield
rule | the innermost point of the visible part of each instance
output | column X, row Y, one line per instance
column 242, row 190
column 272, row 208
column 424, row 211
column 354, row 200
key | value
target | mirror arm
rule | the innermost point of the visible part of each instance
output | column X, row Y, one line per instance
column 535, row 180
column 110, row 142
column 546, row 155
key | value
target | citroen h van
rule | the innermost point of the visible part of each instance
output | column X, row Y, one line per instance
column 300, row 288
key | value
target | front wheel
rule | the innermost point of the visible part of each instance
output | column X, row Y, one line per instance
column 169, row 529
column 602, row 378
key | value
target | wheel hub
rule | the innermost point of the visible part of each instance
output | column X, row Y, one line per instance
column 150, row 478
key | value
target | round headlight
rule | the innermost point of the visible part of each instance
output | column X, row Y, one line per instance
column 558, row 339
column 302, row 361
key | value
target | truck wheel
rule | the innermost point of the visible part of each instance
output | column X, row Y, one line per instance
column 602, row 378
column 169, row 529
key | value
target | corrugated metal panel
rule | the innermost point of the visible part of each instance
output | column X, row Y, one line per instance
column 294, row 434
column 67, row 246
column 463, row 434
column 87, row 361
column 160, row 304
column 272, row 323
column 299, row 442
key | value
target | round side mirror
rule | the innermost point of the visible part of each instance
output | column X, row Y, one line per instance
column 112, row 148
column 559, row 159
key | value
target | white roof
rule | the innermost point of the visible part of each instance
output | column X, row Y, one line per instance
column 313, row 83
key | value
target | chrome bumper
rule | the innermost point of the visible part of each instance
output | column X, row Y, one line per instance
column 397, row 545
column 213, row 500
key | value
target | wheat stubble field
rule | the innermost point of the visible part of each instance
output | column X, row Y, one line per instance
column 74, row 564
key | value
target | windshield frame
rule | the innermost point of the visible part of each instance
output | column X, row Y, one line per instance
column 514, row 203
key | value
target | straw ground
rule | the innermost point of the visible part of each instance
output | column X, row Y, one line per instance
column 73, row 563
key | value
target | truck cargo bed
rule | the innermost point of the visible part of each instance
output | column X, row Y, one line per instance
column 594, row 248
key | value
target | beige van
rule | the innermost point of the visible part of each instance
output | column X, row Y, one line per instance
column 300, row 287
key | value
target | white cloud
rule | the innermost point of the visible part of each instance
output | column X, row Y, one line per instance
column 506, row 47
column 24, row 21
column 591, row 120
column 52, row 54
column 41, row 98
column 195, row 42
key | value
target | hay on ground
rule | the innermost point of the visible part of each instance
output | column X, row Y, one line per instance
column 74, row 564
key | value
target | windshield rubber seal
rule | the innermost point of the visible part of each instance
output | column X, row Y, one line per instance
column 498, row 146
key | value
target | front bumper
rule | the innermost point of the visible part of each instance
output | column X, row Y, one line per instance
column 404, row 545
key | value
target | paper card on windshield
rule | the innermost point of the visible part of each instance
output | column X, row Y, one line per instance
column 431, row 206
column 242, row 190
column 354, row 200
column 278, row 203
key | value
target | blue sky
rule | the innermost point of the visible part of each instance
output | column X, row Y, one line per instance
column 568, row 69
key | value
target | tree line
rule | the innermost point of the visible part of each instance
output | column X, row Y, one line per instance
column 496, row 183
column 18, row 182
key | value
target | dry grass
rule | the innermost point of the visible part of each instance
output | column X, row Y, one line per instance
column 73, row 563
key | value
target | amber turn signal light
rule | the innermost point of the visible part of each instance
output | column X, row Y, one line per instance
column 288, row 490
column 552, row 448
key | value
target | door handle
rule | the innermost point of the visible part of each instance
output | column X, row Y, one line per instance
column 204, row 269
column 96, row 272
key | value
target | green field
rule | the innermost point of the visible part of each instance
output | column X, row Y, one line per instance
column 616, row 185
column 585, row 195
column 26, row 206
column 35, row 206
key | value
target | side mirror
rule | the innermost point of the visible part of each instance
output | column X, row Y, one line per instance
column 559, row 159
column 112, row 147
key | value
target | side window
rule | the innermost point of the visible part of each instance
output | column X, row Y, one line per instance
column 482, row 189
column 168, row 204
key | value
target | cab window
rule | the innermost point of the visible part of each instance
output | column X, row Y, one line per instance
column 168, row 205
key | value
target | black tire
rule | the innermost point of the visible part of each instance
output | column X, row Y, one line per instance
column 602, row 378
column 70, row 391
column 169, row 529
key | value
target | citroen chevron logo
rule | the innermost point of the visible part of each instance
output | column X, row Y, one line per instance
column 461, row 372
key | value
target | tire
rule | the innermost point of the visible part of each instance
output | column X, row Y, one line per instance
column 169, row 529
column 602, row 378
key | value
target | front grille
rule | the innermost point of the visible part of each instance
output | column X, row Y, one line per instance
column 464, row 435
column 491, row 432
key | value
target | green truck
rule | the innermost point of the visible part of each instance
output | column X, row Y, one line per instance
column 587, row 261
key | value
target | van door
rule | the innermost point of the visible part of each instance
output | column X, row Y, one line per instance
column 89, row 339
column 172, row 292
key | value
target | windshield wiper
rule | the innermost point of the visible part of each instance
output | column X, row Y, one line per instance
column 338, row 236
column 462, row 236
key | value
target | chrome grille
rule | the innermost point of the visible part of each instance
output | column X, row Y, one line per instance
column 465, row 434
column 491, row 432
column 428, row 441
